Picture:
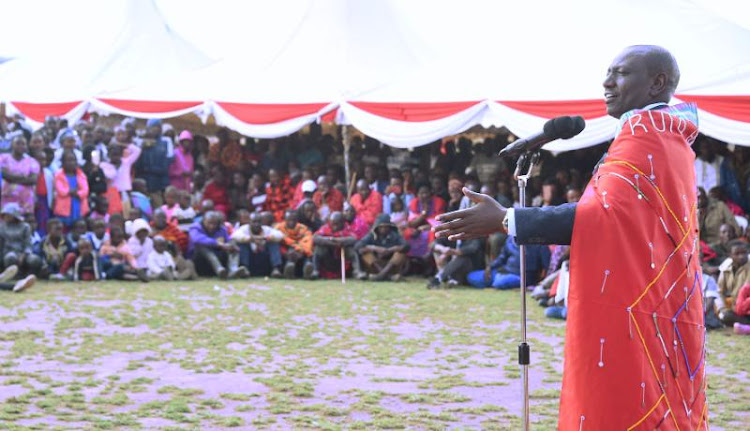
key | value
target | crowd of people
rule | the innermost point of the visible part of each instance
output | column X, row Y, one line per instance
column 140, row 201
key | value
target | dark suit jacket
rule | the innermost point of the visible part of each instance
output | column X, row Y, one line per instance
column 545, row 225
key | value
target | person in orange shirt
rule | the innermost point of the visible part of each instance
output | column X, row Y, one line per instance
column 368, row 203
column 297, row 245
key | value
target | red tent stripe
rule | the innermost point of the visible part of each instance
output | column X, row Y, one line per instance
column 414, row 111
column 588, row 109
column 149, row 107
column 330, row 116
column 39, row 111
column 262, row 113
column 732, row 107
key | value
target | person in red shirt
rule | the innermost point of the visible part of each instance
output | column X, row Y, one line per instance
column 328, row 242
column 216, row 191
column 278, row 194
column 368, row 203
column 328, row 199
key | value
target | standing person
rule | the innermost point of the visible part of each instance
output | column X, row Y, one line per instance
column 71, row 191
column 628, row 247
column 153, row 164
column 19, row 173
column 118, row 172
column 181, row 169
column 45, row 191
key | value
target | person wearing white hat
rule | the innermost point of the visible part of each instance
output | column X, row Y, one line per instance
column 141, row 246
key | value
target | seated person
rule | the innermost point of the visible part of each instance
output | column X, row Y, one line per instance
column 98, row 233
column 260, row 250
column 117, row 261
column 211, row 249
column 383, row 251
column 86, row 266
column 422, row 212
column 504, row 272
column 727, row 233
column 327, row 198
column 354, row 222
column 559, row 307
column 160, row 264
column 171, row 201
column 169, row 232
column 8, row 274
column 308, row 215
column 101, row 209
column 77, row 232
column 742, row 311
column 15, row 241
column 297, row 245
column 366, row 202
column 734, row 273
column 328, row 241
column 185, row 214
column 54, row 248
column 460, row 257
column 177, row 245
column 141, row 245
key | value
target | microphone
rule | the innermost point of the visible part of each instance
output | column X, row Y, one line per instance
column 556, row 128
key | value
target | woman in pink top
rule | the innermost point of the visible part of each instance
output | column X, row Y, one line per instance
column 19, row 171
column 181, row 169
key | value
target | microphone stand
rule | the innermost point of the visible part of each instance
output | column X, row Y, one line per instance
column 529, row 158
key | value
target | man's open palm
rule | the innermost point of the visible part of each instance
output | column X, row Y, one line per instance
column 482, row 219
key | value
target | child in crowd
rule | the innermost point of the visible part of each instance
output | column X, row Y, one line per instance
column 160, row 264
column 101, row 209
column 86, row 266
column 117, row 261
column 171, row 201
column 77, row 232
column 141, row 246
column 98, row 233
column 116, row 220
column 53, row 249
column 139, row 197
column 399, row 214
column 71, row 191
column 185, row 213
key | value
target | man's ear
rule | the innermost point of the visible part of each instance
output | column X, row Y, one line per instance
column 658, row 84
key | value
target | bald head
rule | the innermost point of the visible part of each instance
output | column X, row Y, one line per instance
column 639, row 76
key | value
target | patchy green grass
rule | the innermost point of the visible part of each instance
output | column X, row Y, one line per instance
column 303, row 355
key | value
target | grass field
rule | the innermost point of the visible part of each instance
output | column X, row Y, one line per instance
column 273, row 354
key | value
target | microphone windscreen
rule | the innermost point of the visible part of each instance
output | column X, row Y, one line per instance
column 564, row 127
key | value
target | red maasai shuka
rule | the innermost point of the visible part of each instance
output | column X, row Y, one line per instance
column 634, row 347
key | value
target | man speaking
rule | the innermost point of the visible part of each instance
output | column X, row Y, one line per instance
column 634, row 346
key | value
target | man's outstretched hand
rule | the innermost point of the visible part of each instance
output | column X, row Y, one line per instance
column 482, row 219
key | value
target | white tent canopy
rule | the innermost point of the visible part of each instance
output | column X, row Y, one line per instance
column 406, row 73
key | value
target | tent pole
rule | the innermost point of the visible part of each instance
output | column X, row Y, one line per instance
column 346, row 140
